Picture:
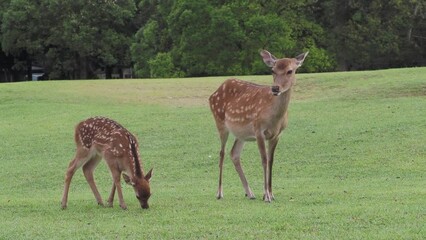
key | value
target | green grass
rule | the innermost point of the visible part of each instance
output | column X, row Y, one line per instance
column 351, row 165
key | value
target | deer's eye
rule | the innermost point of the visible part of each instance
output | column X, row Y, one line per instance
column 289, row 72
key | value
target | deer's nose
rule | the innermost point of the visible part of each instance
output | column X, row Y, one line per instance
column 275, row 90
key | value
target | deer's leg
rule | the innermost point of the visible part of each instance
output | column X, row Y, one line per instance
column 223, row 139
column 88, row 169
column 271, row 150
column 111, row 195
column 236, row 159
column 260, row 139
column 116, row 177
column 81, row 156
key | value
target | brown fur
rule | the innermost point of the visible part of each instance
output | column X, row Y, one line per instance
column 98, row 138
column 252, row 112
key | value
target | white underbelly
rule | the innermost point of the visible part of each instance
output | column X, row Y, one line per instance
column 241, row 131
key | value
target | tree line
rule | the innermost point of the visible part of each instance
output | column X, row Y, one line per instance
column 76, row 39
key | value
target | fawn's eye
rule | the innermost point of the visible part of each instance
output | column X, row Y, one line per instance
column 289, row 72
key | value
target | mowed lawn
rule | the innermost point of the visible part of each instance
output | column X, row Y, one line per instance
column 351, row 164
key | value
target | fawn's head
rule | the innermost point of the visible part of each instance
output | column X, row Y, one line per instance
column 283, row 70
column 141, row 187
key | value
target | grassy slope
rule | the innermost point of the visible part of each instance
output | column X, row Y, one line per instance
column 350, row 165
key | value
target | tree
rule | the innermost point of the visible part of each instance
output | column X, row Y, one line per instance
column 6, row 61
column 225, row 37
column 206, row 39
column 72, row 39
column 69, row 38
column 153, row 36
column 92, row 34
column 372, row 34
column 21, row 33
column 162, row 67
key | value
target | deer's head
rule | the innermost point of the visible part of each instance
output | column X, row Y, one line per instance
column 283, row 70
column 141, row 187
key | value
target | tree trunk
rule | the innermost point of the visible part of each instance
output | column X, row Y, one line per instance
column 120, row 72
column 83, row 68
column 108, row 72
column 29, row 69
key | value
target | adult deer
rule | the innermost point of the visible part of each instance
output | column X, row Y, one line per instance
column 255, row 112
column 102, row 137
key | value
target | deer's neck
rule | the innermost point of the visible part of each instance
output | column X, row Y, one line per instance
column 280, row 104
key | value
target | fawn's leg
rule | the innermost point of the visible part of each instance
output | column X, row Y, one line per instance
column 81, row 157
column 88, row 170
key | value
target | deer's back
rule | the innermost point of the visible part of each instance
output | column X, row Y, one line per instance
column 236, row 98
column 105, row 134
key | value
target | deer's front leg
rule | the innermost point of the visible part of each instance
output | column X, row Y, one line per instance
column 271, row 150
column 117, row 184
column 111, row 195
column 88, row 169
column 260, row 138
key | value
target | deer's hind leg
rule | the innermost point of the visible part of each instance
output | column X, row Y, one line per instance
column 236, row 159
column 88, row 170
column 81, row 157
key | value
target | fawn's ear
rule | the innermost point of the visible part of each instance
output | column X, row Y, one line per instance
column 127, row 179
column 149, row 175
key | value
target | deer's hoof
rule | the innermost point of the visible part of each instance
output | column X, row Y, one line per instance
column 219, row 195
column 267, row 198
column 250, row 196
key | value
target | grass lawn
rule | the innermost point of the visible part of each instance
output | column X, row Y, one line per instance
column 351, row 165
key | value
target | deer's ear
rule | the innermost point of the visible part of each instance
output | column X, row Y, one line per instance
column 149, row 175
column 268, row 58
column 300, row 58
column 127, row 179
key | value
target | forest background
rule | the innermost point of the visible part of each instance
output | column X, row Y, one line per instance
column 75, row 39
